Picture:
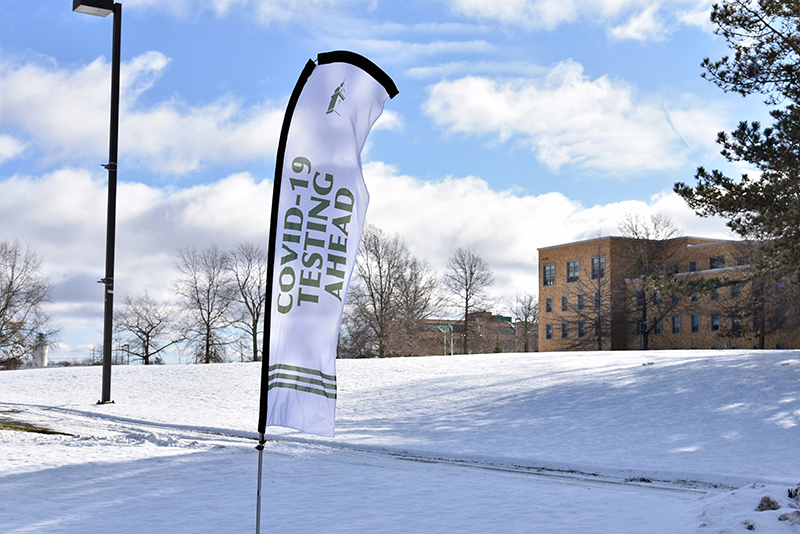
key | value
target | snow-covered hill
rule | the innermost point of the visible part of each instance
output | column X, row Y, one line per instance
column 625, row 442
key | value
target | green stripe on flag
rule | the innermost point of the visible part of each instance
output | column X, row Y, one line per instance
column 305, row 380
column 293, row 377
column 298, row 387
column 304, row 370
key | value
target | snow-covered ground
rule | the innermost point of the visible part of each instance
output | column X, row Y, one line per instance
column 622, row 442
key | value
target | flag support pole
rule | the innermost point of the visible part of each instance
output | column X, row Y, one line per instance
column 260, row 448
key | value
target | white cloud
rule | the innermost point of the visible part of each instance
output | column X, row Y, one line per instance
column 175, row 139
column 494, row 68
column 624, row 19
column 643, row 26
column 62, row 215
column 698, row 16
column 389, row 120
column 10, row 148
column 266, row 11
column 568, row 119
column 537, row 14
column 405, row 52
column 65, row 112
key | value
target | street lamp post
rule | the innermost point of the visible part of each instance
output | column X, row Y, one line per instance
column 103, row 8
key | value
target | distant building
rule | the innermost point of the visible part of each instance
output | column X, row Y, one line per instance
column 488, row 333
column 599, row 294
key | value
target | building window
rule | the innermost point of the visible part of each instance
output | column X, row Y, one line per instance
column 548, row 331
column 715, row 294
column 549, row 274
column 741, row 261
column 715, row 322
column 657, row 327
column 564, row 303
column 695, row 324
column 548, row 304
column 692, row 266
column 564, row 331
column 581, row 329
column 597, row 328
column 597, row 300
column 695, row 298
column 598, row 267
column 736, row 321
column 716, row 262
column 581, row 302
column 573, row 271
column 736, row 291
column 639, row 298
column 676, row 324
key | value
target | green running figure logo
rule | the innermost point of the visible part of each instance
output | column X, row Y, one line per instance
column 336, row 97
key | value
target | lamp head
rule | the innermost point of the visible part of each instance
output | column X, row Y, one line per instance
column 101, row 8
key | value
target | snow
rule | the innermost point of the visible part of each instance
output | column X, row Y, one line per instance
column 623, row 442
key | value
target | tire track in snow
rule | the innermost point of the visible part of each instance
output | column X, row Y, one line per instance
column 109, row 426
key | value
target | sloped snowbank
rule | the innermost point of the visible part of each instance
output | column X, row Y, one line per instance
column 709, row 420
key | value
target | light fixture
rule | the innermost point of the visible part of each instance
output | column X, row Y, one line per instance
column 101, row 8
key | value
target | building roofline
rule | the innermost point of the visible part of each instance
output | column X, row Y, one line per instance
column 707, row 241
column 594, row 239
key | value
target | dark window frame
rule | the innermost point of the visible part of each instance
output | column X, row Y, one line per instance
column 573, row 271
column 549, row 274
column 598, row 267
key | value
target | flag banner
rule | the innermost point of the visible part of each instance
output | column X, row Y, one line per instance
column 318, row 208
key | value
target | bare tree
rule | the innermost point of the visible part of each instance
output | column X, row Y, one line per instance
column 147, row 326
column 355, row 338
column 647, row 238
column 248, row 267
column 206, row 291
column 390, row 297
column 23, row 293
column 525, row 309
column 418, row 298
column 468, row 277
column 373, row 296
column 651, row 260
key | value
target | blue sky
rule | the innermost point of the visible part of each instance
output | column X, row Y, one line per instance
column 519, row 124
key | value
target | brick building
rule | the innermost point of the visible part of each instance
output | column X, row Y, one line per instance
column 608, row 293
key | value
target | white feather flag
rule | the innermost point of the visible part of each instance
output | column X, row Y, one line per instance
column 318, row 210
